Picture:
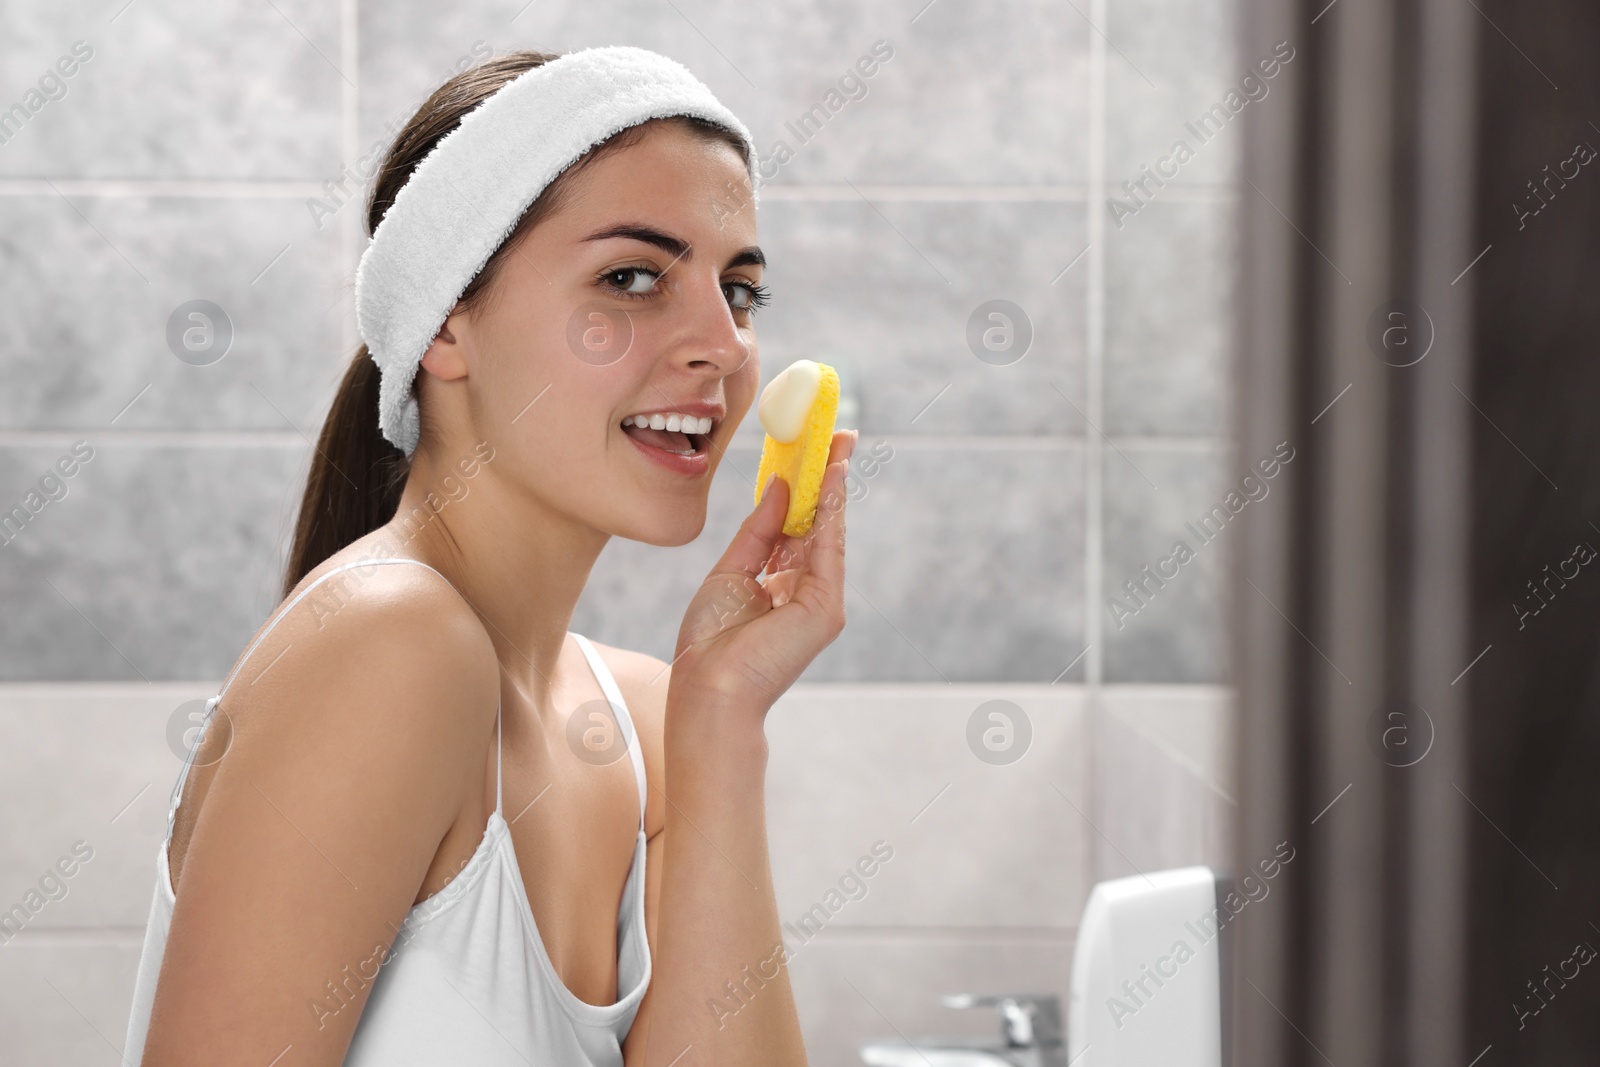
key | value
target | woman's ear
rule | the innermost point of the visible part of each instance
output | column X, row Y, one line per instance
column 445, row 358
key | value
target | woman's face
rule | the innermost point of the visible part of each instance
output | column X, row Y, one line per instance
column 635, row 298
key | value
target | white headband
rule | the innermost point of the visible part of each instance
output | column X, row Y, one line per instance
column 464, row 199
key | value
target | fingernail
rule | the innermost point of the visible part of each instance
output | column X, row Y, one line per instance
column 765, row 489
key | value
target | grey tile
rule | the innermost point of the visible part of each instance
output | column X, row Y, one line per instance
column 969, row 568
column 965, row 564
column 158, row 562
column 867, row 988
column 888, row 290
column 973, row 845
column 90, row 766
column 991, row 95
column 1175, row 631
column 1169, row 321
column 1166, row 66
column 176, row 90
column 83, row 1018
column 98, row 279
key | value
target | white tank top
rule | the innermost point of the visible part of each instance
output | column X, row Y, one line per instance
column 468, row 980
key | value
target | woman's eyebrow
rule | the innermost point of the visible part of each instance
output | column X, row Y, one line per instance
column 673, row 246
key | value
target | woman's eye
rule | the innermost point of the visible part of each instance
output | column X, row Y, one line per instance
column 631, row 275
column 757, row 296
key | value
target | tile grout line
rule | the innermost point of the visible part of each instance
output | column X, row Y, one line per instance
column 64, row 436
column 154, row 187
column 877, row 932
column 351, row 227
column 1069, row 692
column 298, row 188
column 1094, row 357
column 1094, row 360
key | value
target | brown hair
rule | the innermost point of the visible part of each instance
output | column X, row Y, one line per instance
column 357, row 476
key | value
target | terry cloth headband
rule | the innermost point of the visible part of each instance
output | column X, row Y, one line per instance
column 467, row 195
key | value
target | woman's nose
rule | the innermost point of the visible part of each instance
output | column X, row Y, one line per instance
column 711, row 336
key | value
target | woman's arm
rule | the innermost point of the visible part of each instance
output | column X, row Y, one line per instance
column 343, row 773
column 720, row 991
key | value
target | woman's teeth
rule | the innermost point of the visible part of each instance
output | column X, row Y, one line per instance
column 670, row 433
column 658, row 421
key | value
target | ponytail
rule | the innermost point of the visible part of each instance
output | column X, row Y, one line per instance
column 356, row 475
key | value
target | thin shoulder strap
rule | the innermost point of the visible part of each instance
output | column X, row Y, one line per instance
column 211, row 704
column 499, row 796
column 608, row 685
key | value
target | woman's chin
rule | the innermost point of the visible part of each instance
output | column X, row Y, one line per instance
column 666, row 530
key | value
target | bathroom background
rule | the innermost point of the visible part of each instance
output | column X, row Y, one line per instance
column 1013, row 472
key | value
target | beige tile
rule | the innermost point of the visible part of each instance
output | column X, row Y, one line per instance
column 1164, row 790
column 975, row 845
column 88, row 763
column 66, row 999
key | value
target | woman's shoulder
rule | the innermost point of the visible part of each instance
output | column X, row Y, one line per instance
column 374, row 700
column 354, row 626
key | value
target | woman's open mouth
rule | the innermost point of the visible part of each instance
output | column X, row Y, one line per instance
column 679, row 442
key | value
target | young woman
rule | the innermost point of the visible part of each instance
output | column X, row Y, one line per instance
column 426, row 824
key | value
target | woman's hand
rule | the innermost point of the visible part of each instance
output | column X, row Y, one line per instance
column 744, row 642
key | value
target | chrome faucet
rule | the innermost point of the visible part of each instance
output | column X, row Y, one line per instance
column 1027, row 1020
column 1030, row 1036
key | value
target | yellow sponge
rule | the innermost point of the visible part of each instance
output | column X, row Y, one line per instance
column 800, row 460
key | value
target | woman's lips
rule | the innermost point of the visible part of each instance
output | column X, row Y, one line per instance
column 664, row 447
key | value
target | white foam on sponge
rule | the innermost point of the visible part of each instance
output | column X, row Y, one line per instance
column 786, row 401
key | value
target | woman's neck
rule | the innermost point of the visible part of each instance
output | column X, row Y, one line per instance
column 521, row 565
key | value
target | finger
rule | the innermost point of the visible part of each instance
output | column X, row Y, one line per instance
column 826, row 555
column 758, row 535
column 842, row 445
column 787, row 553
column 780, row 587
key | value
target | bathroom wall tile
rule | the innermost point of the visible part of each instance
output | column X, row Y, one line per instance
column 974, row 844
column 1157, row 806
column 92, row 763
column 158, row 563
column 189, row 89
column 1152, row 492
column 99, row 279
column 964, row 565
column 969, row 567
column 1005, row 87
column 184, row 610
column 866, row 987
column 1166, row 65
column 1192, row 724
column 67, row 1001
column 1169, row 321
column 885, row 292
